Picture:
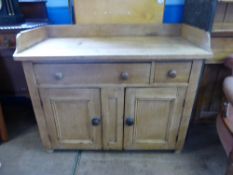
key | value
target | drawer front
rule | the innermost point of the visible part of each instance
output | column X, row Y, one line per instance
column 64, row 74
column 172, row 72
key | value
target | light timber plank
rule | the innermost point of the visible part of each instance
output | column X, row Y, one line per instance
column 37, row 105
column 189, row 101
column 118, row 11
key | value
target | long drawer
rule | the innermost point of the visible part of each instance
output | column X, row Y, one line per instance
column 65, row 74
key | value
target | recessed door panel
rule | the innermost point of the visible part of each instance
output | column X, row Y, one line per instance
column 112, row 111
column 152, row 117
column 74, row 117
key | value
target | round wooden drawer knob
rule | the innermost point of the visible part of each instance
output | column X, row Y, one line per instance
column 58, row 76
column 172, row 73
column 124, row 75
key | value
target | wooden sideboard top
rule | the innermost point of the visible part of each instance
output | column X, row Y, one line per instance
column 113, row 43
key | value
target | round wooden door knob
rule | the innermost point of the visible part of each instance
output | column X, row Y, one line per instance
column 129, row 121
column 96, row 121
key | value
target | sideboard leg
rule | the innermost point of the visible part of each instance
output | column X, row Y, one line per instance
column 188, row 105
column 50, row 151
column 178, row 151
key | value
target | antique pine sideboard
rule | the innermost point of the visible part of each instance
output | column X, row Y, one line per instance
column 113, row 87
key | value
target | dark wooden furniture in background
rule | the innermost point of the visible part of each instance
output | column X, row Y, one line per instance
column 224, row 16
column 34, row 10
column 10, row 12
column 224, row 122
column 13, row 83
column 10, row 83
column 35, row 13
column 3, row 130
column 210, row 96
column 12, row 78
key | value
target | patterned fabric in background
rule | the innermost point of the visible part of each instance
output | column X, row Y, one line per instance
column 59, row 13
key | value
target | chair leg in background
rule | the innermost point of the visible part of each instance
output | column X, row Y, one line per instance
column 3, row 129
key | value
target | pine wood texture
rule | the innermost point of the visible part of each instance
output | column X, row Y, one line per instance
column 134, row 43
column 158, row 109
column 64, row 113
column 189, row 101
column 222, row 36
column 37, row 105
column 76, row 77
column 113, row 112
column 118, row 11
column 131, row 48
column 69, row 114
column 196, row 36
column 92, row 73
column 26, row 40
column 224, row 17
column 222, row 47
column 107, row 30
column 182, row 70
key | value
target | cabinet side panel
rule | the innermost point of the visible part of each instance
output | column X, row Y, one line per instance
column 36, row 102
column 189, row 101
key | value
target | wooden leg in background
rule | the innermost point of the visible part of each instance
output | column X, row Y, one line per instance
column 3, row 130
column 50, row 150
column 230, row 164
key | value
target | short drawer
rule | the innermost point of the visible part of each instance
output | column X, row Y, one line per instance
column 172, row 72
column 92, row 73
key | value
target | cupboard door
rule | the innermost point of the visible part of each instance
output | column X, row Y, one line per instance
column 152, row 117
column 112, row 111
column 73, row 117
